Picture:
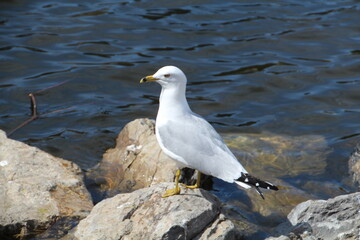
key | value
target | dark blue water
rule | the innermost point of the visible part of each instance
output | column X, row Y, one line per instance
column 285, row 67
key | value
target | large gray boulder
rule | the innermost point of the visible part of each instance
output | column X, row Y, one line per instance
column 37, row 189
column 333, row 219
column 144, row 214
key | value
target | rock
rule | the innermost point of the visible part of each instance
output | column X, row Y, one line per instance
column 333, row 219
column 330, row 219
column 301, row 231
column 144, row 214
column 37, row 190
column 221, row 228
column 136, row 161
column 354, row 165
column 304, row 236
column 282, row 237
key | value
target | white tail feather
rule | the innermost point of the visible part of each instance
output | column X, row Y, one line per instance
column 243, row 185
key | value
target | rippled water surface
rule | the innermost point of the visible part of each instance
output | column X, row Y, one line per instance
column 288, row 68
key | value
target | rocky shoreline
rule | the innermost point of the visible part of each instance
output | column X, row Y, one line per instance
column 44, row 196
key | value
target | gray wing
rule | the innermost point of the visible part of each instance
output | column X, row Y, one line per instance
column 197, row 143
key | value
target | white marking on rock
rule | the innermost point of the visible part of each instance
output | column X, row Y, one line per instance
column 123, row 205
column 133, row 148
column 3, row 163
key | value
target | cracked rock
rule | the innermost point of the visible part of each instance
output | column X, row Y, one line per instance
column 144, row 214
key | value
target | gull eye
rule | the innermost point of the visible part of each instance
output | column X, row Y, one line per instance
column 166, row 75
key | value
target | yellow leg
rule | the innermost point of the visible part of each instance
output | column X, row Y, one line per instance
column 176, row 190
column 197, row 184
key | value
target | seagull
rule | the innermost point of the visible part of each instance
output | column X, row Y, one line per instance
column 190, row 140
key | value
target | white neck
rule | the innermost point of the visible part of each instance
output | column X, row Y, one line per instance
column 173, row 102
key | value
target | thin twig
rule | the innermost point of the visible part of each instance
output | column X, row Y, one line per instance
column 33, row 107
column 22, row 125
column 53, row 86
column 58, row 110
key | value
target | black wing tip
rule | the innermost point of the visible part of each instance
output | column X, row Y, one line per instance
column 257, row 183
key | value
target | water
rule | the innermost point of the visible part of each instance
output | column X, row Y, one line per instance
column 285, row 67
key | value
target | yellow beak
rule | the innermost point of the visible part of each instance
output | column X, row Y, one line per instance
column 148, row 79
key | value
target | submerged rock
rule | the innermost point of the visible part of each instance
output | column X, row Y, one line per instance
column 354, row 165
column 333, row 219
column 144, row 214
column 281, row 159
column 274, row 155
column 37, row 190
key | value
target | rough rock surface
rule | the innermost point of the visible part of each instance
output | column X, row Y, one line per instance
column 333, row 219
column 144, row 214
column 37, row 189
column 354, row 165
column 136, row 161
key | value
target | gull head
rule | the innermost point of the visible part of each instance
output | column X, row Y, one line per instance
column 168, row 76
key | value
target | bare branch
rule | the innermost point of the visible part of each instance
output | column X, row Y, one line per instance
column 53, row 86
column 33, row 107
column 22, row 125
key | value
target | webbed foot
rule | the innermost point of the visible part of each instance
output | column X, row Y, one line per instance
column 176, row 190
column 191, row 186
column 171, row 192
